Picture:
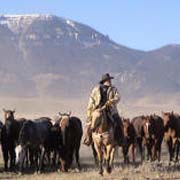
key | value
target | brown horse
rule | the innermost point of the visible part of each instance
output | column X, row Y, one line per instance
column 138, row 122
column 153, row 131
column 71, row 130
column 172, row 133
column 129, row 140
column 103, row 138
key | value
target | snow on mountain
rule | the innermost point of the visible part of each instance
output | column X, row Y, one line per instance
column 48, row 55
column 17, row 23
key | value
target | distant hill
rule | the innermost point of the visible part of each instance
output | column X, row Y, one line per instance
column 46, row 55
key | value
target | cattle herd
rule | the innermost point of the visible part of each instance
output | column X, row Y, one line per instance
column 38, row 143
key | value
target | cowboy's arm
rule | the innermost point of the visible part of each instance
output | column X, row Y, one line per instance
column 115, row 98
column 90, row 107
column 89, row 111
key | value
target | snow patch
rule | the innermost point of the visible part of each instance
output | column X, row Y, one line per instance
column 70, row 23
column 17, row 23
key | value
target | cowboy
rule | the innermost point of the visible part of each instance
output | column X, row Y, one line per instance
column 104, row 94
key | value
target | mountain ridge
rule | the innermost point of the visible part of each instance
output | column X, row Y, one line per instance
column 49, row 55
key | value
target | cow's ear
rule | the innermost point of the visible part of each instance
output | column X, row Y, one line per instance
column 4, row 110
column 14, row 110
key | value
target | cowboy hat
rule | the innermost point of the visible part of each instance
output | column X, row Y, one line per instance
column 106, row 77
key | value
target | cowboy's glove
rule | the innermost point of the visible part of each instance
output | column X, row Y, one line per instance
column 109, row 103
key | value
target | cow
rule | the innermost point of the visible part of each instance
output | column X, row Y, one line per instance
column 71, row 129
column 129, row 140
column 152, row 134
column 34, row 135
column 9, row 138
column 171, row 122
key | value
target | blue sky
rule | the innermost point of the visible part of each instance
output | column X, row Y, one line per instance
column 139, row 24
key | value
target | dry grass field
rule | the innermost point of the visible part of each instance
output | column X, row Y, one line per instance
column 32, row 108
column 137, row 171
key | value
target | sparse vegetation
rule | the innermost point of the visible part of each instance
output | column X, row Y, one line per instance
column 145, row 171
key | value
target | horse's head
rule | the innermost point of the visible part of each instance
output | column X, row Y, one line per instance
column 148, row 127
column 8, row 114
column 64, row 123
column 64, row 120
column 169, row 120
column 167, row 116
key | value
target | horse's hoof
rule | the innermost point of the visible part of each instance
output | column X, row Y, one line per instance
column 101, row 173
column 20, row 173
column 39, row 172
column 77, row 170
column 109, row 170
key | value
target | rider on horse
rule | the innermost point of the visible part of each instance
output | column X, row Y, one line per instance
column 104, row 94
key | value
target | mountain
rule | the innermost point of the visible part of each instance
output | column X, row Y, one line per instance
column 46, row 55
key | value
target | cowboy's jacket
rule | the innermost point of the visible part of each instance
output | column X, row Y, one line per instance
column 113, row 97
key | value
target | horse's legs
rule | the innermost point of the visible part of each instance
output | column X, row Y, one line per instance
column 158, row 151
column 94, row 154
column 12, row 158
column 153, row 152
column 177, row 150
column 42, row 154
column 131, row 150
column 21, row 159
column 77, row 156
column 110, row 157
column 36, row 153
column 139, row 141
column 100, row 156
column 125, row 153
column 5, row 156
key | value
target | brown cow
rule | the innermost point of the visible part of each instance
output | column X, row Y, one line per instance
column 172, row 133
column 153, row 131
column 129, row 139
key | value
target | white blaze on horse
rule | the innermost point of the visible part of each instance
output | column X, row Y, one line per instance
column 103, row 138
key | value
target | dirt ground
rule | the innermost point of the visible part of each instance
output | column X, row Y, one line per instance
column 137, row 171
column 147, row 170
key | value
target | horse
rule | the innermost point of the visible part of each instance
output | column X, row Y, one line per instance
column 34, row 136
column 153, row 132
column 129, row 140
column 9, row 137
column 171, row 122
column 71, row 129
column 103, row 138
column 138, row 123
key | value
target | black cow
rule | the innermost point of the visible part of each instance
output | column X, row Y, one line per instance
column 34, row 135
column 71, row 129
